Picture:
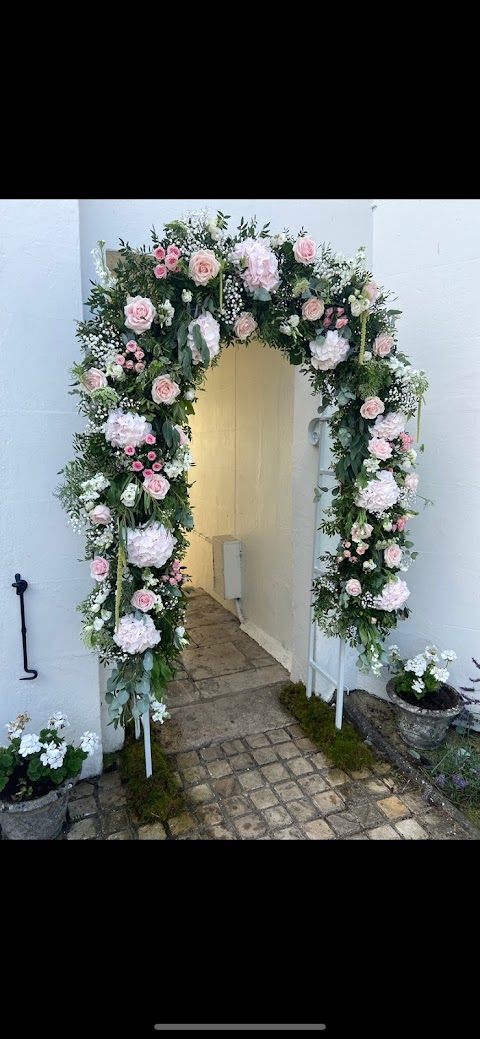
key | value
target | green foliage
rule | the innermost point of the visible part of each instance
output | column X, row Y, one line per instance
column 157, row 798
column 344, row 747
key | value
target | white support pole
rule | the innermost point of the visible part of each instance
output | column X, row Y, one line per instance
column 147, row 743
column 341, row 672
column 137, row 728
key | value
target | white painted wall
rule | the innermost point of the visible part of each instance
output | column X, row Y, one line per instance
column 277, row 602
column 40, row 294
column 428, row 252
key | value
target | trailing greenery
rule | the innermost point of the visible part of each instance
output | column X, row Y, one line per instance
column 345, row 748
column 157, row 798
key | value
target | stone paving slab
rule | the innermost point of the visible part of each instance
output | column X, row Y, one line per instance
column 247, row 770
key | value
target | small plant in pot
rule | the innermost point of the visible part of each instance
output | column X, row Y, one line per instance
column 426, row 704
column 36, row 774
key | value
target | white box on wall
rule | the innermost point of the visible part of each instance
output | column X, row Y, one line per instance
column 227, row 575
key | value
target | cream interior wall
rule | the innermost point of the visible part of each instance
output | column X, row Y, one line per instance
column 242, row 446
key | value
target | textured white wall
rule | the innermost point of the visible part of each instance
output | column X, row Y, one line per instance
column 40, row 295
column 428, row 252
column 276, row 602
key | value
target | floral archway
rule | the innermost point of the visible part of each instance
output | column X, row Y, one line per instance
column 157, row 325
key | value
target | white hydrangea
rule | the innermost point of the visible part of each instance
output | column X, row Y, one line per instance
column 29, row 745
column 89, row 742
column 150, row 546
column 125, row 429
column 135, row 635
column 53, row 756
column 393, row 597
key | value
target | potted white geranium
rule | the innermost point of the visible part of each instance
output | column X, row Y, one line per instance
column 36, row 774
column 426, row 704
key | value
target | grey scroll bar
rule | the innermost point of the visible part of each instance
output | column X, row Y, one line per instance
column 241, row 1028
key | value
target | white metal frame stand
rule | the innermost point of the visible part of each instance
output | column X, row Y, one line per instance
column 317, row 435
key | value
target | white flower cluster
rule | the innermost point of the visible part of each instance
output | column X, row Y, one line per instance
column 165, row 313
column 129, row 494
column 89, row 743
column 58, row 721
column 290, row 328
column 233, row 302
column 53, row 756
column 159, row 710
column 29, row 745
column 104, row 276
column 103, row 344
column 181, row 462
column 92, row 489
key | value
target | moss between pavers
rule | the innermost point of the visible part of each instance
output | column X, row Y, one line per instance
column 344, row 746
column 157, row 798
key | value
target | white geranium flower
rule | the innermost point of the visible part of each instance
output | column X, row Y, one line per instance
column 29, row 745
column 58, row 721
column 53, row 756
column 448, row 654
column 89, row 742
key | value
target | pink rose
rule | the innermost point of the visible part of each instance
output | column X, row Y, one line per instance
column 143, row 600
column 137, row 466
column 203, row 266
column 313, row 308
column 120, row 360
column 402, row 522
column 183, row 436
column 129, row 365
column 139, row 314
column 99, row 568
column 94, row 379
column 140, row 366
column 157, row 486
column 100, row 514
column 371, row 291
column 361, row 531
column 148, row 472
column 360, row 550
column 380, row 448
column 131, row 347
column 353, row 587
column 305, row 250
column 151, row 456
column 164, row 390
column 157, row 467
column 393, row 555
column 159, row 253
column 173, row 250
column 383, row 344
column 341, row 322
column 160, row 271
column 129, row 449
column 139, row 353
column 172, row 263
column 244, row 325
column 372, row 407
column 150, row 439
column 411, row 482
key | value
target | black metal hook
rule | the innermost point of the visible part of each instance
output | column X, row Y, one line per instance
column 21, row 585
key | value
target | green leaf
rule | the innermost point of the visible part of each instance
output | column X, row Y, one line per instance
column 201, row 345
column 167, row 433
column 182, row 333
column 148, row 660
column 262, row 294
column 122, row 697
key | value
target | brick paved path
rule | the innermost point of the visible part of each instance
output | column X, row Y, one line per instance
column 248, row 772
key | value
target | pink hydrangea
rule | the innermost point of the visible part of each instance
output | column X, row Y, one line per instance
column 390, row 425
column 150, row 546
column 210, row 330
column 379, row 494
column 136, row 635
column 261, row 271
column 125, row 429
column 393, row 597
column 330, row 353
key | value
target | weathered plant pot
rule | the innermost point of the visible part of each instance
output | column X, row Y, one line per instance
column 419, row 727
column 38, row 820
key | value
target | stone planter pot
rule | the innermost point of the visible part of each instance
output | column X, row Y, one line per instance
column 419, row 727
column 38, row 820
